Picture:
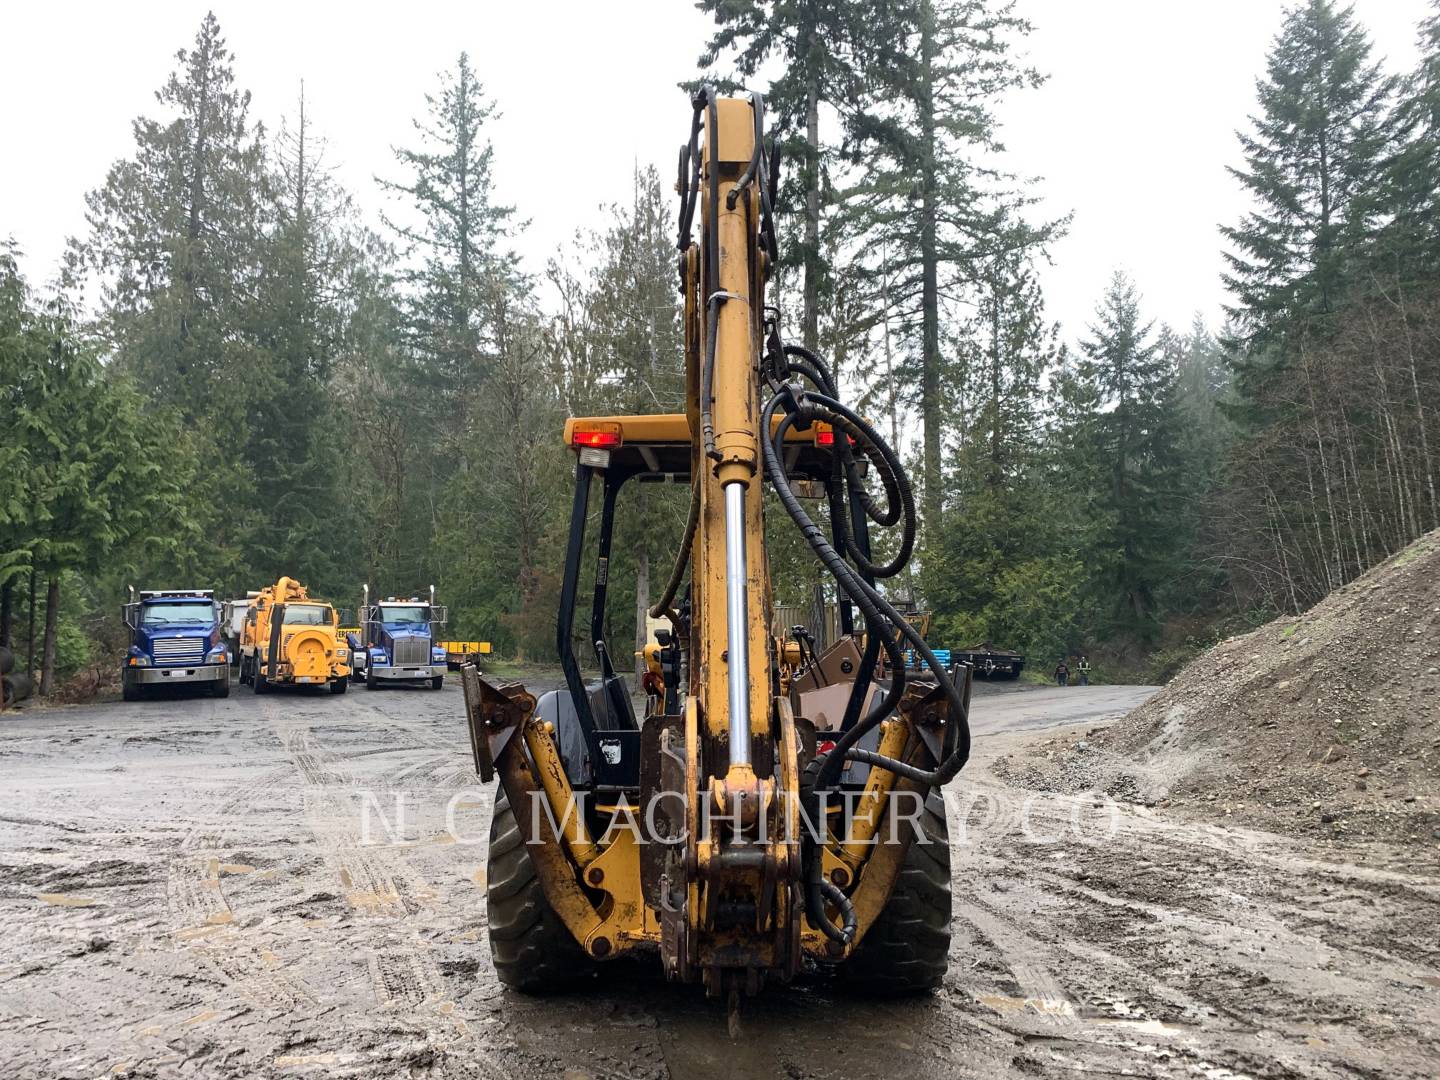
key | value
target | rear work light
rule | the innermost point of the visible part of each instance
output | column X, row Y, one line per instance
column 825, row 435
column 598, row 436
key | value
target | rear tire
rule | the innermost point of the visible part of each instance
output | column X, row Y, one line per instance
column 531, row 947
column 907, row 948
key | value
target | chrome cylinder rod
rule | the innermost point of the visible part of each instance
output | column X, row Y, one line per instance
column 737, row 639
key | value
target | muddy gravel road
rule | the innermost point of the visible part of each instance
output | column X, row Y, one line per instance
column 294, row 885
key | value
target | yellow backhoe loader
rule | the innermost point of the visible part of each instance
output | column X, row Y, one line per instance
column 288, row 639
column 772, row 810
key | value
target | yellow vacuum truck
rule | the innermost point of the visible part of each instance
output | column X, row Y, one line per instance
column 288, row 639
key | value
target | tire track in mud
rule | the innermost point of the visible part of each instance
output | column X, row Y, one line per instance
column 373, row 881
column 1187, row 945
column 382, row 891
column 213, row 835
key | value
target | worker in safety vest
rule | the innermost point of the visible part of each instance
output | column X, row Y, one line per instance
column 1082, row 669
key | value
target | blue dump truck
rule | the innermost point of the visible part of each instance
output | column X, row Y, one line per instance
column 174, row 640
column 400, row 643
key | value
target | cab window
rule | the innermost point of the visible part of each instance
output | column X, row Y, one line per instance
column 306, row 615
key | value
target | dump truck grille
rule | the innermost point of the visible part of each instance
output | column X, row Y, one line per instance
column 188, row 650
column 412, row 651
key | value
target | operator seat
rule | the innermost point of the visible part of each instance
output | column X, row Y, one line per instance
column 611, row 707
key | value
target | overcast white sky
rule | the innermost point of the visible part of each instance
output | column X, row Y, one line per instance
column 1132, row 132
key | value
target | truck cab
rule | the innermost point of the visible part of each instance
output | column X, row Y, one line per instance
column 400, row 643
column 175, row 638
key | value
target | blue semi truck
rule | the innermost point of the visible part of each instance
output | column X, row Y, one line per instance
column 174, row 641
column 400, row 643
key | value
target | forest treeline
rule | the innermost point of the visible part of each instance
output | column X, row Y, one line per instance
column 238, row 374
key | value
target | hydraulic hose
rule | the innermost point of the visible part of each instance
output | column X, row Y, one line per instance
column 662, row 607
column 875, row 608
column 712, row 274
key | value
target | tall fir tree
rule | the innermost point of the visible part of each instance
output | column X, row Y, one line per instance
column 453, row 235
column 1312, row 160
column 813, row 44
column 1409, row 247
column 175, row 243
column 931, row 205
column 1000, row 570
column 460, row 291
column 302, row 307
column 1122, row 453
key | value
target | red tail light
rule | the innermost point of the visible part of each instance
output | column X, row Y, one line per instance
column 603, row 437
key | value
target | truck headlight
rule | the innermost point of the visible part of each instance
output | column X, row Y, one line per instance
column 342, row 654
column 139, row 661
column 437, row 654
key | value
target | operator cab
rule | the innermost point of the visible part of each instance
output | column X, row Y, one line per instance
column 595, row 721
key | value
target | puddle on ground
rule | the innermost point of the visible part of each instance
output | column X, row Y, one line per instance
column 1142, row 1027
column 375, row 900
column 66, row 900
column 214, row 923
column 292, row 1060
column 1010, row 1006
column 1130, row 1019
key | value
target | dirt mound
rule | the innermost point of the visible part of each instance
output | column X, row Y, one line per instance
column 1329, row 722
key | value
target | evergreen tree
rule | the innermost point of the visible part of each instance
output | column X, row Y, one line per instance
column 458, row 268
column 176, row 243
column 1202, row 387
column 619, row 335
column 811, row 41
column 1001, row 571
column 1311, row 163
column 929, row 207
column 17, row 494
column 1334, row 466
column 99, row 477
column 1122, row 453
column 175, row 233
column 1409, row 248
column 460, row 293
column 300, row 322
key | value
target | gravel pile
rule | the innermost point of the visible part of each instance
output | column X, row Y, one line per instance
column 1325, row 723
